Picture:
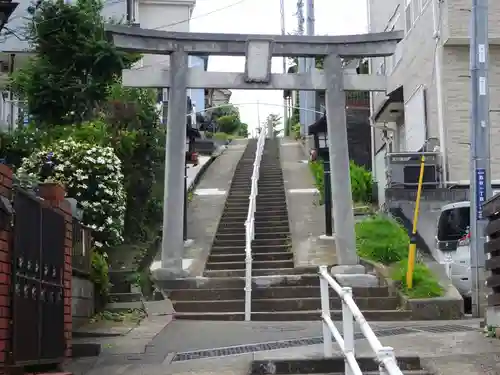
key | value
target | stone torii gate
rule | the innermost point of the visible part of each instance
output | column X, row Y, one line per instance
column 258, row 50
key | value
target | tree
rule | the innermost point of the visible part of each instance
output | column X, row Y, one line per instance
column 228, row 124
column 226, row 110
column 73, row 66
column 243, row 130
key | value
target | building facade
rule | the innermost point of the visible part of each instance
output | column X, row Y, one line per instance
column 428, row 99
column 168, row 15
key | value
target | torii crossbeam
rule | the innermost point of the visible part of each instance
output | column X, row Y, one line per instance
column 258, row 51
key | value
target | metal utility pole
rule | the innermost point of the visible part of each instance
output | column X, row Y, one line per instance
column 302, row 68
column 310, row 104
column 480, row 178
column 286, row 129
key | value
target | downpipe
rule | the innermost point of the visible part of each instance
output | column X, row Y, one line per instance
column 436, row 17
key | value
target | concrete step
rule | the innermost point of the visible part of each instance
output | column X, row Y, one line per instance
column 239, row 282
column 257, row 241
column 283, row 304
column 240, row 257
column 239, row 217
column 237, row 236
column 279, row 206
column 330, row 366
column 233, row 192
column 256, row 264
column 255, row 272
column 256, row 249
column 268, row 292
column 313, row 315
column 260, row 199
column 264, row 203
column 240, row 228
column 124, row 297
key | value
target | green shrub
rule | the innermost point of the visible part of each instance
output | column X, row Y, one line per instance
column 361, row 183
column 381, row 239
column 425, row 284
column 317, row 172
column 93, row 176
column 99, row 273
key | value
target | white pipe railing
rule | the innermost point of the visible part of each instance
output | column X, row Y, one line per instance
column 250, row 223
column 351, row 313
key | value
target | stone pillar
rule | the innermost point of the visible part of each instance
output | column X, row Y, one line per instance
column 175, row 155
column 345, row 239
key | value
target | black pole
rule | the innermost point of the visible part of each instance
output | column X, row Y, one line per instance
column 328, row 198
column 184, row 226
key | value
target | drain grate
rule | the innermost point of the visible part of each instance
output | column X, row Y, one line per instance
column 445, row 328
column 252, row 348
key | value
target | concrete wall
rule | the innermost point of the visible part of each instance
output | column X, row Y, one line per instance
column 82, row 303
column 456, row 89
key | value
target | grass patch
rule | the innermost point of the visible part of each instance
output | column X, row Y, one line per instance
column 383, row 240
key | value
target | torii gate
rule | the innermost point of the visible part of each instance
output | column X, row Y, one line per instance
column 258, row 50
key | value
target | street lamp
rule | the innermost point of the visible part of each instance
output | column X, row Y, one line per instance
column 322, row 143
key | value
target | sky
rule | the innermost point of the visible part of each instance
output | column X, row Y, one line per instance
column 332, row 17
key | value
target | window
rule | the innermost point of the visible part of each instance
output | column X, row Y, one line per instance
column 408, row 15
column 453, row 224
column 392, row 60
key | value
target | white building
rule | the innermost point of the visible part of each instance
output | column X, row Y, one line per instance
column 171, row 15
column 428, row 95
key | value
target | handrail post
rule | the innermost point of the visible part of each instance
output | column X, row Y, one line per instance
column 325, row 311
column 248, row 286
column 383, row 354
column 348, row 328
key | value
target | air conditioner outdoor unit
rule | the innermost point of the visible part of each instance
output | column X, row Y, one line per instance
column 403, row 170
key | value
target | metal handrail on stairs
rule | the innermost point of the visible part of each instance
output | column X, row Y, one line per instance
column 250, row 223
column 351, row 313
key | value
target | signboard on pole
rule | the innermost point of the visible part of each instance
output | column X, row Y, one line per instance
column 480, row 191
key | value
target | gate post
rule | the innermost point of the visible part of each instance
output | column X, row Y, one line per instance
column 343, row 216
column 175, row 156
column 64, row 208
column 5, row 267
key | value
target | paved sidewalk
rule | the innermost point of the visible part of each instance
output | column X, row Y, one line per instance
column 444, row 352
column 306, row 216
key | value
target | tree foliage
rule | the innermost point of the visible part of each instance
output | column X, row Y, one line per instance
column 73, row 65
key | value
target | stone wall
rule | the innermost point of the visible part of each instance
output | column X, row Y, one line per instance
column 82, row 303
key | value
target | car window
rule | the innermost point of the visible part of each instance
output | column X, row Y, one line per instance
column 453, row 224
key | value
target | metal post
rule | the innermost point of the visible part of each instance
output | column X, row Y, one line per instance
column 286, row 128
column 175, row 157
column 348, row 328
column 184, row 225
column 302, row 68
column 480, row 184
column 343, row 216
column 325, row 310
column 327, row 198
column 311, row 65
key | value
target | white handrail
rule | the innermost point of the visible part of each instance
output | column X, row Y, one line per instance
column 350, row 313
column 250, row 223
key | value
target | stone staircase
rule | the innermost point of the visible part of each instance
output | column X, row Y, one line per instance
column 279, row 291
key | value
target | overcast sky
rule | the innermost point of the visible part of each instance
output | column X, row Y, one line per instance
column 333, row 17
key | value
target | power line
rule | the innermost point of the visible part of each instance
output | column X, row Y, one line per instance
column 112, row 2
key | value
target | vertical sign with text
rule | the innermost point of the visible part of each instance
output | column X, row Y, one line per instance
column 480, row 191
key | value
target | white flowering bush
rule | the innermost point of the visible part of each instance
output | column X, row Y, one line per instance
column 93, row 176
